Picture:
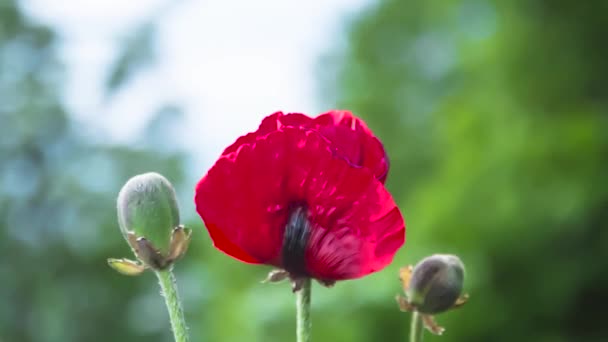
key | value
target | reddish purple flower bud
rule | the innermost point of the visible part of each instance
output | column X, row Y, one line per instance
column 436, row 283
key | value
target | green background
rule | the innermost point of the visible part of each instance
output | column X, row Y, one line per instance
column 495, row 118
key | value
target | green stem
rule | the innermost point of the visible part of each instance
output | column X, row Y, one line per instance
column 416, row 329
column 303, row 312
column 176, row 314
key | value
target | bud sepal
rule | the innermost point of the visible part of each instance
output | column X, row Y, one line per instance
column 280, row 275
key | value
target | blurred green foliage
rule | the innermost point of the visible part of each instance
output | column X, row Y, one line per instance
column 494, row 114
column 58, row 187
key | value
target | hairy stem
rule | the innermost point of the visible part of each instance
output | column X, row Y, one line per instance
column 416, row 329
column 303, row 312
column 176, row 314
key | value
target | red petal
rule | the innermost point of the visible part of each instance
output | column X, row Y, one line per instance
column 295, row 120
column 219, row 239
column 350, row 137
column 241, row 201
column 353, row 140
column 357, row 225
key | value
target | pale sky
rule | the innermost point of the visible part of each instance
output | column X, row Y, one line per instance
column 228, row 62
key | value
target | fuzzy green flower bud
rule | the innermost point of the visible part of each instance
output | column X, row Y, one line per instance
column 147, row 207
column 148, row 217
column 436, row 283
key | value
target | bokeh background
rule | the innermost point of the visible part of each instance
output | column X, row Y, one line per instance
column 494, row 115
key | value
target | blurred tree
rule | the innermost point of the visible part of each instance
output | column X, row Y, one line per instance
column 57, row 206
column 494, row 114
column 138, row 52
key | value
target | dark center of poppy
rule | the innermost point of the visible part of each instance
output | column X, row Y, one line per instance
column 295, row 240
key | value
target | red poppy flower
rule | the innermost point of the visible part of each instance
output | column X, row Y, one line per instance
column 305, row 195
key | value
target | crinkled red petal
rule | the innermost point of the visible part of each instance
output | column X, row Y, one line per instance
column 349, row 136
column 219, row 239
column 357, row 227
column 245, row 199
column 241, row 201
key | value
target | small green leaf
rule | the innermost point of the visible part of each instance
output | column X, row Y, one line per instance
column 276, row 276
column 126, row 266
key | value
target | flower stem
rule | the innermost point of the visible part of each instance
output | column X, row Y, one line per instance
column 176, row 314
column 416, row 329
column 303, row 312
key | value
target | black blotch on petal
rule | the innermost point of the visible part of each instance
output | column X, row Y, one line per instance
column 295, row 240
